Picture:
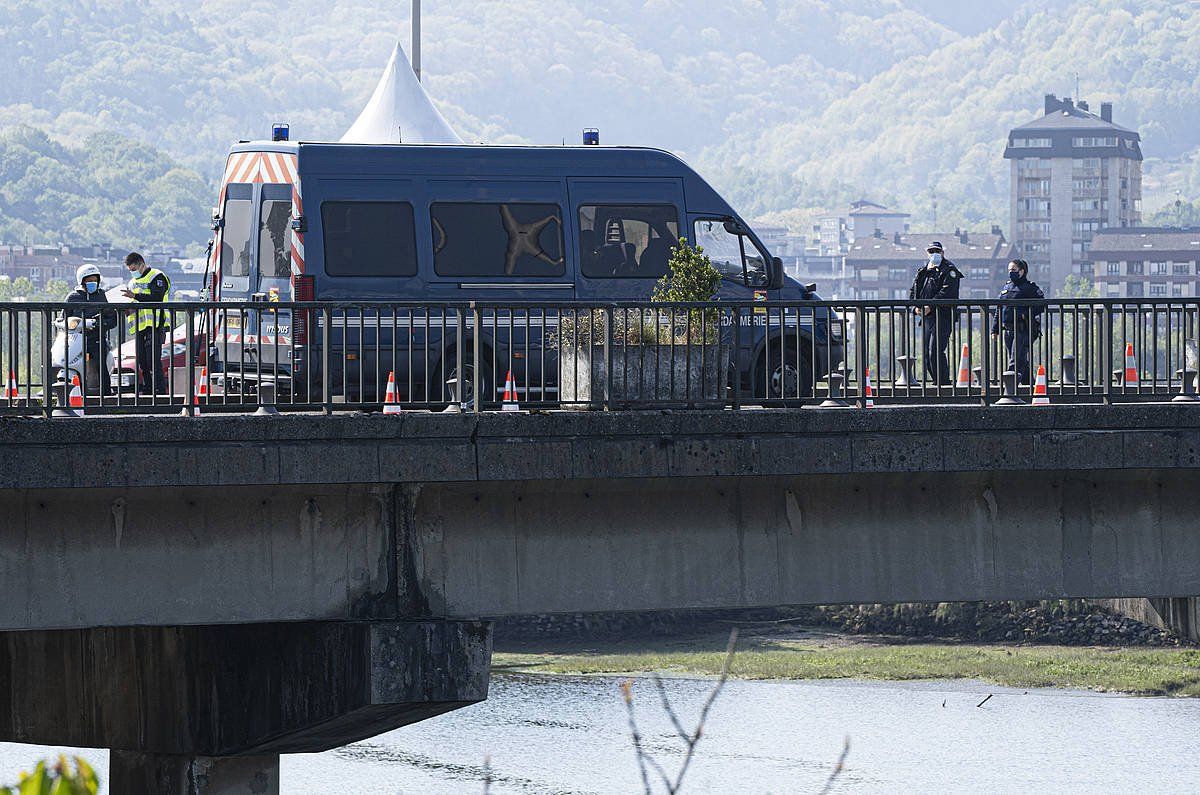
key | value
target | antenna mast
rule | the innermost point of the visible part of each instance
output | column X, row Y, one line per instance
column 416, row 38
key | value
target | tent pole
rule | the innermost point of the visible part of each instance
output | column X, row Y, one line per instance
column 416, row 38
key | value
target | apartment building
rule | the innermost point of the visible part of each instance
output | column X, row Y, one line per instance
column 1073, row 174
column 1146, row 262
column 882, row 267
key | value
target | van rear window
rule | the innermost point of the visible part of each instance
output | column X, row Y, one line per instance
column 489, row 240
column 627, row 241
column 274, row 254
column 369, row 239
column 235, row 234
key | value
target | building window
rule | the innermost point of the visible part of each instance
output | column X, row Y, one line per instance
column 1086, row 269
column 1092, row 141
column 1114, row 291
column 1158, row 268
column 1135, row 268
column 977, row 292
column 978, row 272
column 1176, row 290
column 1180, row 268
column 1158, row 289
column 871, row 295
column 868, row 275
column 1136, row 289
column 1030, row 143
column 898, row 275
column 900, row 294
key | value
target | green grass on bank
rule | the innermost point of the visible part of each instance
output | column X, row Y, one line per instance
column 1156, row 671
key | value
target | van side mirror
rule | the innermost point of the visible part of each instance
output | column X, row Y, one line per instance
column 776, row 273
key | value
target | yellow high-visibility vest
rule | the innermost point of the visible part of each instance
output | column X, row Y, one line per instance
column 149, row 318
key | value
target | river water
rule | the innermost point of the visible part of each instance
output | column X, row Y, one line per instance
column 543, row 734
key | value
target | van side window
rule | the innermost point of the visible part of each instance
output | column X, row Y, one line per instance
column 369, row 239
column 485, row 239
column 235, row 234
column 274, row 218
column 627, row 241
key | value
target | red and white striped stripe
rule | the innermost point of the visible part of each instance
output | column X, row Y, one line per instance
column 274, row 168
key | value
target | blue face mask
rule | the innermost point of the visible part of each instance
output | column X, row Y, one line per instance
column 1014, row 276
column 935, row 259
column 91, row 287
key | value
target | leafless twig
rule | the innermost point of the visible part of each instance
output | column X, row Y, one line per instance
column 689, row 739
column 837, row 768
column 981, row 703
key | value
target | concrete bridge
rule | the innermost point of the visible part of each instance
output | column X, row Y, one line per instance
column 203, row 594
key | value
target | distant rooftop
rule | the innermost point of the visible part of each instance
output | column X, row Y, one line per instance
column 1066, row 114
column 1147, row 240
column 862, row 207
column 958, row 245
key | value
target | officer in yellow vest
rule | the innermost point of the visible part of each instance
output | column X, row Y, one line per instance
column 148, row 285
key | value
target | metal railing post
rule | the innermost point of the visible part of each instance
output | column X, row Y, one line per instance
column 1106, row 334
column 477, row 357
column 737, row 357
column 47, row 341
column 860, row 356
column 608, row 374
column 460, row 331
column 326, row 376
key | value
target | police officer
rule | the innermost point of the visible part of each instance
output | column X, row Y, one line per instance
column 96, row 321
column 149, row 286
column 1022, row 324
column 938, row 280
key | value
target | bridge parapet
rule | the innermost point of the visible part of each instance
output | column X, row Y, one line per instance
column 131, row 452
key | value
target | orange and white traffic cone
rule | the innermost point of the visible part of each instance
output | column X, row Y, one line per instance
column 510, row 394
column 11, row 393
column 964, row 369
column 868, row 392
column 75, row 399
column 1040, row 398
column 391, row 403
column 1131, row 366
column 199, row 393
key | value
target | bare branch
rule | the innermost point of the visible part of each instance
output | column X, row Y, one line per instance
column 730, row 648
column 627, row 693
column 837, row 769
column 662, row 692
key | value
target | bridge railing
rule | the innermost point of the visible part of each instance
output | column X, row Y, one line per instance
column 332, row 356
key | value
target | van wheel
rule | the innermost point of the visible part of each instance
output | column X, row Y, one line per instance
column 451, row 370
column 784, row 382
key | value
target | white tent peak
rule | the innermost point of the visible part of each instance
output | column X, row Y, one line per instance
column 400, row 111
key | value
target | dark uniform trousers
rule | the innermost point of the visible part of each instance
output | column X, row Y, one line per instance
column 935, row 328
column 149, row 358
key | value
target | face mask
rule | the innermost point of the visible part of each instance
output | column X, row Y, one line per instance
column 91, row 287
column 935, row 259
column 1014, row 276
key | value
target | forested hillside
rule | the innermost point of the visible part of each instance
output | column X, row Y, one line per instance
column 788, row 105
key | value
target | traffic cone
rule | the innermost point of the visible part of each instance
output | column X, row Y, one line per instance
column 391, row 404
column 1040, row 398
column 1131, row 367
column 75, row 399
column 200, row 391
column 11, row 393
column 868, row 392
column 964, row 369
column 510, row 394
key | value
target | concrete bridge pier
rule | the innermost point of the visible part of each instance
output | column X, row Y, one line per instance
column 206, row 710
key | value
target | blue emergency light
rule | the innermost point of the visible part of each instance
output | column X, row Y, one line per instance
column 591, row 136
column 279, row 132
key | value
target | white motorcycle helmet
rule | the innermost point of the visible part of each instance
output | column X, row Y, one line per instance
column 85, row 271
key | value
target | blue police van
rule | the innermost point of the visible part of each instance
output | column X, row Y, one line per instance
column 450, row 224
